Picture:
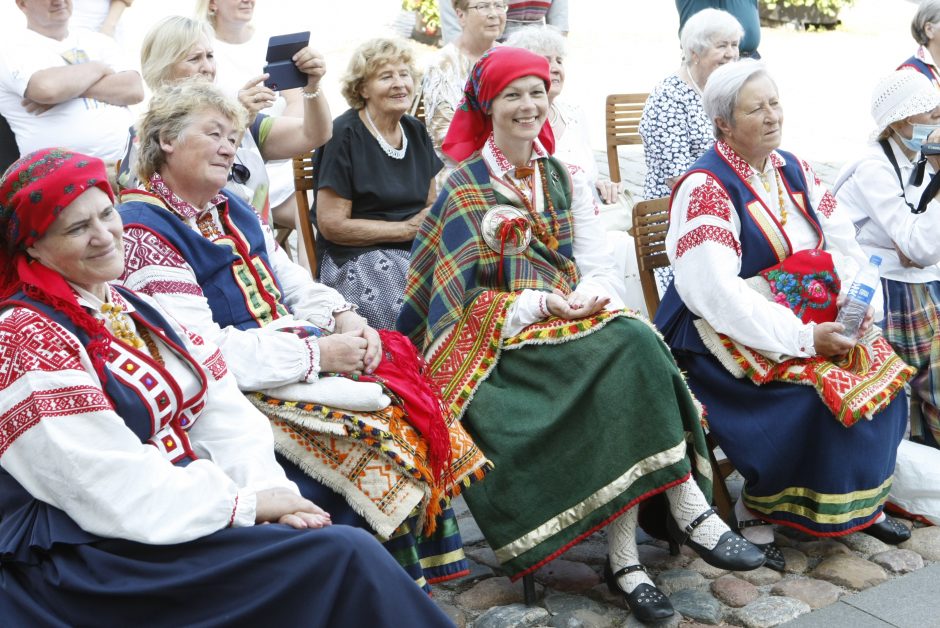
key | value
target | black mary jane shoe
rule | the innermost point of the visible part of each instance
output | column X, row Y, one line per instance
column 889, row 530
column 647, row 603
column 733, row 552
column 772, row 552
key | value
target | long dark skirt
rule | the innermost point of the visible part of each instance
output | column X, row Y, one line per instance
column 578, row 432
column 801, row 467
column 269, row 575
column 427, row 559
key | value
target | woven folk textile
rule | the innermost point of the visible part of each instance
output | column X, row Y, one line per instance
column 376, row 460
column 860, row 386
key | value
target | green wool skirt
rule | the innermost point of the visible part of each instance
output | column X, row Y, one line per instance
column 579, row 431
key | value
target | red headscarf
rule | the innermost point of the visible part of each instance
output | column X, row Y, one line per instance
column 497, row 68
column 33, row 192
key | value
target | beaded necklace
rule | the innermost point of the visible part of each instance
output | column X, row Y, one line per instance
column 545, row 233
column 120, row 325
column 391, row 151
column 780, row 201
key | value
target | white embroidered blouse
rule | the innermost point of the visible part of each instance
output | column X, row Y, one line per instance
column 260, row 358
column 703, row 245
column 75, row 453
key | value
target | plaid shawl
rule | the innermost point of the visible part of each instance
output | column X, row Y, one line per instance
column 451, row 264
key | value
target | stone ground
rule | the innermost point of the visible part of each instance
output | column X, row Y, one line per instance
column 571, row 592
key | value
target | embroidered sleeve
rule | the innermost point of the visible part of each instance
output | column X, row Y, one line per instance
column 706, row 215
column 61, row 440
column 153, row 266
column 705, row 249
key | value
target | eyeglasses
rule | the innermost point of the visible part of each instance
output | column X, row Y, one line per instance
column 239, row 174
column 488, row 7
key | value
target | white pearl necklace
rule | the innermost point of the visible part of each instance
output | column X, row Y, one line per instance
column 391, row 151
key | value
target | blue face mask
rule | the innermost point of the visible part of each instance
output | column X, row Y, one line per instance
column 919, row 135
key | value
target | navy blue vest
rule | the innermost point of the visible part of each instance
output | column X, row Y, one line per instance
column 234, row 271
column 761, row 243
column 28, row 524
column 921, row 67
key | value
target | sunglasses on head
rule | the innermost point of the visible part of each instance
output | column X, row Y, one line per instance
column 239, row 174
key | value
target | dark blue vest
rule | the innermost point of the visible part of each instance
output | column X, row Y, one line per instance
column 28, row 524
column 921, row 67
column 673, row 318
column 234, row 271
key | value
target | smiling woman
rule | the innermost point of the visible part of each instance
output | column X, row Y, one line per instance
column 86, row 362
column 374, row 181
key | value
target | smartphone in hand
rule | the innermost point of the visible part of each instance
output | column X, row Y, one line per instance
column 283, row 74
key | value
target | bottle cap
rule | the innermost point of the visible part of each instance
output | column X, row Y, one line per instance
column 874, row 259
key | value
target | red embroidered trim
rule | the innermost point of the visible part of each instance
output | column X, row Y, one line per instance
column 49, row 403
column 709, row 199
column 231, row 520
column 313, row 358
column 143, row 247
column 827, row 205
column 809, row 170
column 707, row 233
column 216, row 365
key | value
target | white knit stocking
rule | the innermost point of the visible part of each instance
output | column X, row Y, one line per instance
column 686, row 502
column 755, row 534
column 621, row 547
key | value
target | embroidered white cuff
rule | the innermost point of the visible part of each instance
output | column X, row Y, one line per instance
column 313, row 361
column 245, row 508
column 806, row 340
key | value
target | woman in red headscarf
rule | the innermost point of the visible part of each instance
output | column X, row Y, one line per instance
column 513, row 296
column 132, row 471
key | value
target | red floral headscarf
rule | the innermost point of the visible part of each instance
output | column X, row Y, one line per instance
column 33, row 192
column 497, row 68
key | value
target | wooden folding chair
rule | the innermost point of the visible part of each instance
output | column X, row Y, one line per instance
column 650, row 224
column 303, row 184
column 623, row 112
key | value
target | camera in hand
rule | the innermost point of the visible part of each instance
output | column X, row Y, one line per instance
column 931, row 148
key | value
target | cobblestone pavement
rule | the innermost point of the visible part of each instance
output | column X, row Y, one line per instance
column 571, row 592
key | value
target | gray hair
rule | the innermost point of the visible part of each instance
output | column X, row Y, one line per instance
column 929, row 11
column 704, row 28
column 172, row 109
column 725, row 83
column 544, row 40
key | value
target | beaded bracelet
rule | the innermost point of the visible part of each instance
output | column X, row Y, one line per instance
column 311, row 95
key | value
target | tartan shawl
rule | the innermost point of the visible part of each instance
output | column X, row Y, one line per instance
column 451, row 264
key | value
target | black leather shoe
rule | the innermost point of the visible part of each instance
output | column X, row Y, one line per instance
column 646, row 602
column 773, row 554
column 890, row 531
column 732, row 552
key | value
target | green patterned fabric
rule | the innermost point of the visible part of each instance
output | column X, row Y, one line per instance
column 578, row 432
column 450, row 262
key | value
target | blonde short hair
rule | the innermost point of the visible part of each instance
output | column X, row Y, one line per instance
column 166, row 44
column 172, row 109
column 366, row 61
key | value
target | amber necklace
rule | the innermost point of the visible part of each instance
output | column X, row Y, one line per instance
column 780, row 202
column 545, row 233
column 120, row 325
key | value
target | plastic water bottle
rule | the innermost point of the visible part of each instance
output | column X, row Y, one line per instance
column 859, row 298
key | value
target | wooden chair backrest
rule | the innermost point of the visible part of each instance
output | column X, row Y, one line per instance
column 623, row 112
column 650, row 224
column 417, row 106
column 303, row 185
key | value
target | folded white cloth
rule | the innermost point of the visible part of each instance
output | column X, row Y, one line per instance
column 337, row 392
column 916, row 485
